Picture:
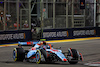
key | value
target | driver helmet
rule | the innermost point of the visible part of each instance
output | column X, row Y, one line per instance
column 48, row 47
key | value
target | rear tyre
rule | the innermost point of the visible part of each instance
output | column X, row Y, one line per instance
column 18, row 54
column 74, row 59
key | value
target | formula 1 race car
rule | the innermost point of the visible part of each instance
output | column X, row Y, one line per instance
column 44, row 52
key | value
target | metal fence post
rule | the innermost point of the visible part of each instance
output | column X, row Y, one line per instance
column 53, row 13
column 29, row 14
column 66, row 13
column 4, row 14
column 17, row 14
column 72, row 13
column 41, row 11
column 94, row 13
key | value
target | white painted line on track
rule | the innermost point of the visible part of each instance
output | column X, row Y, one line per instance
column 93, row 64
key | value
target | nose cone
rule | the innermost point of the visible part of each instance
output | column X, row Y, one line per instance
column 64, row 59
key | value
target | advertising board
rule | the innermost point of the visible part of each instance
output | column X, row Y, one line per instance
column 15, row 36
column 50, row 34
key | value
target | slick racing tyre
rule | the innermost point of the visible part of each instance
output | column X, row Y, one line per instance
column 44, row 53
column 74, row 59
column 38, row 56
column 18, row 54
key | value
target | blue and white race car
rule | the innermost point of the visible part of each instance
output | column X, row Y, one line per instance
column 44, row 52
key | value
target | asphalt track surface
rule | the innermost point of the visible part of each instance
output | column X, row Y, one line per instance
column 89, row 48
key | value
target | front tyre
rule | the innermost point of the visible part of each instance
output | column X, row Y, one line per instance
column 38, row 56
column 73, row 59
column 18, row 54
column 44, row 53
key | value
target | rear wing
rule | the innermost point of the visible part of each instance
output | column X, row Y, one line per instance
column 30, row 43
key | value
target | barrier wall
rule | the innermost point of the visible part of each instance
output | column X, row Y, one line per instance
column 15, row 36
column 51, row 34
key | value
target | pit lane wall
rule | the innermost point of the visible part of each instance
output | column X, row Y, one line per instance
column 70, row 33
column 15, row 36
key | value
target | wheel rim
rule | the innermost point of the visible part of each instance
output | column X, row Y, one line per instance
column 15, row 54
column 38, row 57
